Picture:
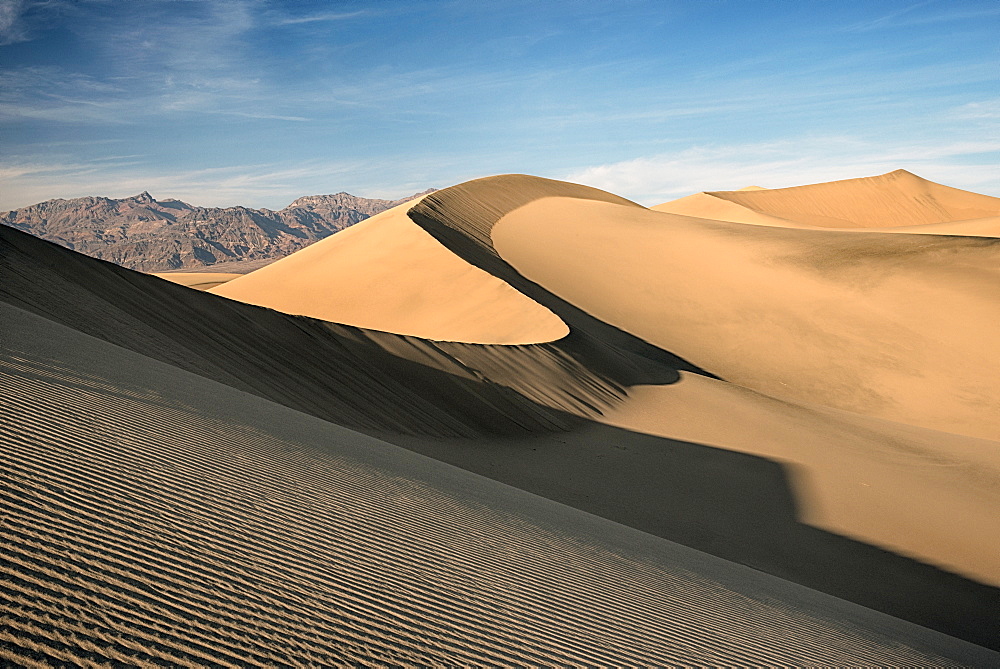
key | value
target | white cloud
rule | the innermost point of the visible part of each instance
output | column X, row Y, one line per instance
column 981, row 110
column 11, row 26
column 658, row 178
column 262, row 185
column 908, row 16
column 316, row 18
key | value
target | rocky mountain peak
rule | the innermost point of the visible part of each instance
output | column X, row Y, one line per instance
column 141, row 233
column 142, row 198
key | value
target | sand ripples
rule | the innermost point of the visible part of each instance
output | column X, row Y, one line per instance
column 143, row 531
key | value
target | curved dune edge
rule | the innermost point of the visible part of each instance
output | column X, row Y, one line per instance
column 167, row 518
column 358, row 378
column 716, row 208
column 988, row 226
column 894, row 202
column 891, row 326
column 197, row 280
column 462, row 217
column 931, row 495
column 387, row 274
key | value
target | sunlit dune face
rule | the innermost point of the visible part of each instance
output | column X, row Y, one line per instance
column 388, row 274
column 875, row 324
column 895, row 202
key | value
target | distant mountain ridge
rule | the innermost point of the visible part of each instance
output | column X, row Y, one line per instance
column 146, row 234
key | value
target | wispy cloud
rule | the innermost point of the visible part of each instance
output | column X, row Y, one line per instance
column 256, row 185
column 20, row 20
column 318, row 18
column 910, row 16
column 658, row 178
column 12, row 29
column 982, row 110
column 892, row 18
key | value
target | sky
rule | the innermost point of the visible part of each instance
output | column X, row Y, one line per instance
column 257, row 102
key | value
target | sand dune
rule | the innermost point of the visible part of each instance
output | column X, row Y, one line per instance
column 358, row 378
column 895, row 202
column 197, row 480
column 385, row 273
column 891, row 326
column 715, row 207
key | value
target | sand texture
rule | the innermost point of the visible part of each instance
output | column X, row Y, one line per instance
column 519, row 422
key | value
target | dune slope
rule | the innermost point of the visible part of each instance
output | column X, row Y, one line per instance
column 894, row 202
column 891, row 326
column 354, row 377
column 630, row 281
column 197, row 280
column 387, row 274
column 152, row 516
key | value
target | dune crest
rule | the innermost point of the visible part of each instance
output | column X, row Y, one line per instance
column 387, row 274
column 897, row 201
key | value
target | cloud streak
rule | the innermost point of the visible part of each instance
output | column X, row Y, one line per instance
column 910, row 16
column 254, row 185
column 320, row 18
column 658, row 178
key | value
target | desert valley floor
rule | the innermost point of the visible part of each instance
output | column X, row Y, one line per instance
column 518, row 422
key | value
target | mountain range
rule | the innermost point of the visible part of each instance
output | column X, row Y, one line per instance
column 146, row 234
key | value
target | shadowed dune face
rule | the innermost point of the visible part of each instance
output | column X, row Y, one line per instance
column 893, row 326
column 350, row 376
column 462, row 218
column 930, row 495
column 387, row 274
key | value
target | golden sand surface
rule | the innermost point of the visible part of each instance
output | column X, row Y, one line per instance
column 386, row 273
column 894, row 202
column 557, row 428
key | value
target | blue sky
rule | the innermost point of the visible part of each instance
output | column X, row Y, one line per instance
column 253, row 102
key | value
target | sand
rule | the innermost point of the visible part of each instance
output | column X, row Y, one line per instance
column 197, row 280
column 894, row 202
column 387, row 274
column 922, row 493
column 154, row 516
column 722, row 443
column 890, row 326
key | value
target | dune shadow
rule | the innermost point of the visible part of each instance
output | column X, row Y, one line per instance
column 465, row 231
column 732, row 505
column 347, row 375
column 604, row 347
